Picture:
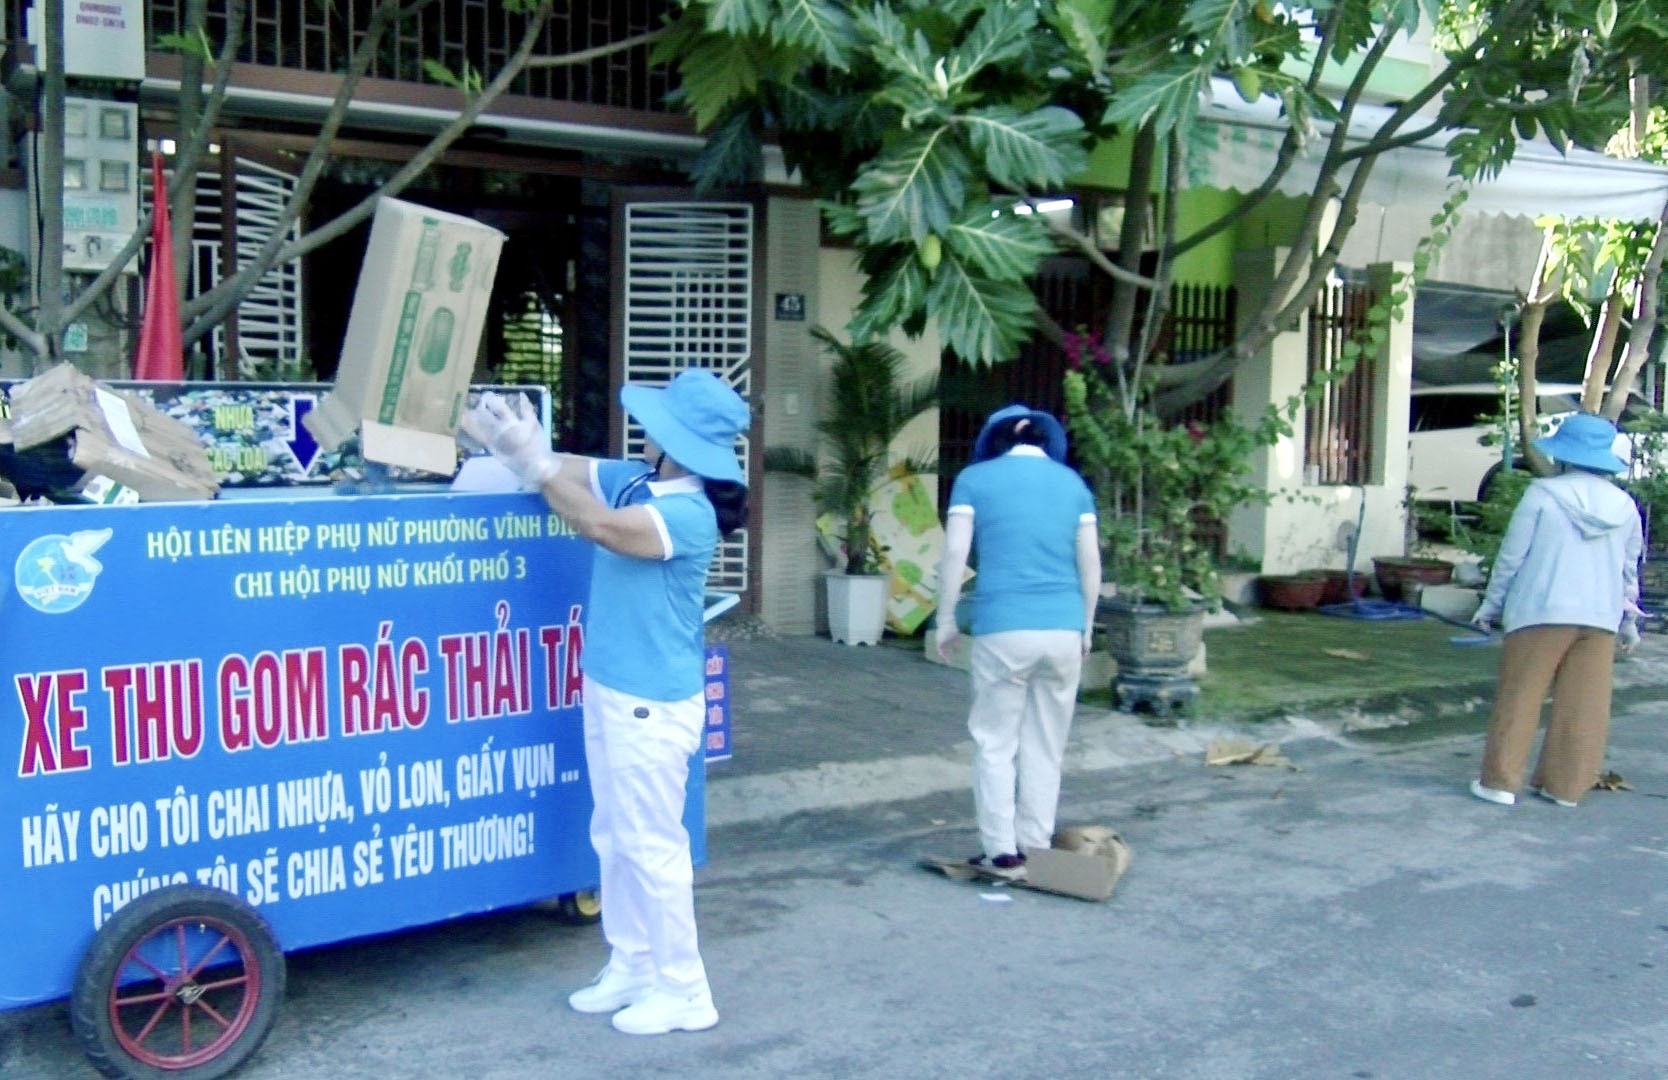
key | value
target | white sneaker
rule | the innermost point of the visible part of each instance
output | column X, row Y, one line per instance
column 660, row 1011
column 1549, row 797
column 611, row 989
column 1493, row 795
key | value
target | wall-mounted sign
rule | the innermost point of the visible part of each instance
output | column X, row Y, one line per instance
column 790, row 307
column 103, row 39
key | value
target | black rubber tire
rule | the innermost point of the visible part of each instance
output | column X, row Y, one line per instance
column 583, row 908
column 96, row 980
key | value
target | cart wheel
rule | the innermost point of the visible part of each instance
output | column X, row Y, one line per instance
column 579, row 908
column 183, row 983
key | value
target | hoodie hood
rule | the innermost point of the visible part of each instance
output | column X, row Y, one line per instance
column 1593, row 504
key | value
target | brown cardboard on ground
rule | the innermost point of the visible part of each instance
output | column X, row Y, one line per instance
column 412, row 337
column 1086, row 861
column 113, row 434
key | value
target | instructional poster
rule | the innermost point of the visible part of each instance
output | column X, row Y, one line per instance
column 356, row 714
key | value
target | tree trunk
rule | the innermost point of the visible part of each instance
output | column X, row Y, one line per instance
column 1644, row 322
column 1602, row 353
column 49, row 180
column 1120, row 320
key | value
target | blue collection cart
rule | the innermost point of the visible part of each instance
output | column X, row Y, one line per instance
column 241, row 728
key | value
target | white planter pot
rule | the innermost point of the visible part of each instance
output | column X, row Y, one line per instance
column 856, row 607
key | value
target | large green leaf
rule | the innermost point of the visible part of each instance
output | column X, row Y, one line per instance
column 1006, row 247
column 1041, row 149
column 895, row 46
column 732, row 153
column 894, row 294
column 1166, row 98
column 1002, row 33
column 914, row 187
column 1219, row 23
column 820, row 26
column 716, row 71
column 738, row 16
column 981, row 320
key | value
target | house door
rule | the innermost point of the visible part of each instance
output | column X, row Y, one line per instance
column 684, row 299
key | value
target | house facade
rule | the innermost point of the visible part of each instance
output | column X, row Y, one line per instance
column 614, row 270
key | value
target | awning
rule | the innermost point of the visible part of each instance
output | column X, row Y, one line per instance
column 1539, row 180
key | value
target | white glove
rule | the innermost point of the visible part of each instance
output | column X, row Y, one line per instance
column 944, row 638
column 1483, row 621
column 1628, row 637
column 508, row 428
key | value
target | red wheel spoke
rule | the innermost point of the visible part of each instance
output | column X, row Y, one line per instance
column 185, row 1031
column 143, row 999
column 192, row 974
column 213, row 1014
column 179, row 938
column 156, row 1018
column 237, row 980
column 134, row 958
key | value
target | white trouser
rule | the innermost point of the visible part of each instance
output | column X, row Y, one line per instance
column 1024, row 691
column 638, row 752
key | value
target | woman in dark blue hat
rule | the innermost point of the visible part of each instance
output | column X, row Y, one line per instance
column 1565, row 586
column 1030, row 521
column 656, row 524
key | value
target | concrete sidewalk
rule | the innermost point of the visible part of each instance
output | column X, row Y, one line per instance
column 819, row 726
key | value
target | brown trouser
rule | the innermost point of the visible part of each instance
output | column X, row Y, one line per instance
column 1575, row 662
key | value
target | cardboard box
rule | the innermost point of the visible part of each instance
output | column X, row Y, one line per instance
column 1086, row 862
column 112, row 434
column 412, row 338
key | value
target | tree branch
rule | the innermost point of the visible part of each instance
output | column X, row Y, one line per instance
column 585, row 56
column 209, row 309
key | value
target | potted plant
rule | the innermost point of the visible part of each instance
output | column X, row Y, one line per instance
column 1157, row 487
column 870, row 403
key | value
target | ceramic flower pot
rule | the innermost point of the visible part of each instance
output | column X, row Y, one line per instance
column 1291, row 592
column 1394, row 571
column 1342, row 586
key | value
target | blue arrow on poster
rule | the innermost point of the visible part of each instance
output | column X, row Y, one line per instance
column 301, row 444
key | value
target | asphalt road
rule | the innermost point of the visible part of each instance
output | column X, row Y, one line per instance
column 1361, row 917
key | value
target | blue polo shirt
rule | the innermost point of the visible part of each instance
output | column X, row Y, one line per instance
column 1026, row 508
column 644, row 633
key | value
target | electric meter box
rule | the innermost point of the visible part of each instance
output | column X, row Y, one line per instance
column 101, row 181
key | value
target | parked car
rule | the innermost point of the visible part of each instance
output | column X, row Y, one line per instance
column 1448, row 460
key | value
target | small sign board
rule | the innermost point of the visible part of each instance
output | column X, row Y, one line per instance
column 716, row 738
column 790, row 307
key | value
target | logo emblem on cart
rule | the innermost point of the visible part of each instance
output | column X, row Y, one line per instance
column 56, row 573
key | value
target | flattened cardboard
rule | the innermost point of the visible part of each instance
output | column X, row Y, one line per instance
column 412, row 337
column 113, row 434
column 1085, row 862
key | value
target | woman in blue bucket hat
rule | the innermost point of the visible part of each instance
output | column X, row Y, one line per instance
column 1565, row 587
column 1030, row 521
column 656, row 523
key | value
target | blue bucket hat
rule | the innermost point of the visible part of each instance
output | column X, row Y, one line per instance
column 695, row 419
column 1054, row 436
column 1586, row 441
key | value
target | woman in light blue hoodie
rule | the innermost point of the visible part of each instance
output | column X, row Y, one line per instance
column 1564, row 587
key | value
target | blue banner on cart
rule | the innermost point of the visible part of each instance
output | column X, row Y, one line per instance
column 356, row 714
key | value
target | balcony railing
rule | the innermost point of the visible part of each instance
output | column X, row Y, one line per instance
column 306, row 36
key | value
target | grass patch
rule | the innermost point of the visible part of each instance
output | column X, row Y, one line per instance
column 1286, row 659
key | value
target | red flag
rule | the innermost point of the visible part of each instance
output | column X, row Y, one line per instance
column 161, row 352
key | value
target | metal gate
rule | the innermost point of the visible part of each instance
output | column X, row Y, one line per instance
column 262, row 338
column 689, row 304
